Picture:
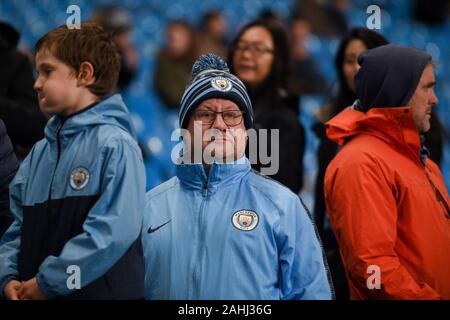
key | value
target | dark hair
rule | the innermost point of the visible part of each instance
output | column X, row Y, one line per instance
column 87, row 44
column 281, row 67
column 371, row 39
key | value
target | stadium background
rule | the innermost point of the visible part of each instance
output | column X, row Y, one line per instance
column 155, row 123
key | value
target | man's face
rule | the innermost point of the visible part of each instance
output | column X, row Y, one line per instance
column 223, row 135
column 56, row 85
column 424, row 99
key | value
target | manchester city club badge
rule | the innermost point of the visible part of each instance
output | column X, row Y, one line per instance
column 245, row 220
column 79, row 178
column 221, row 84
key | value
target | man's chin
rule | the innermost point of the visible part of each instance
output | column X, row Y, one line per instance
column 425, row 128
column 222, row 156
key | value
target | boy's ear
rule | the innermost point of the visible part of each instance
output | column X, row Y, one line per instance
column 86, row 74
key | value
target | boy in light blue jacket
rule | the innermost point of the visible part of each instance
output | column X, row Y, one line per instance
column 78, row 197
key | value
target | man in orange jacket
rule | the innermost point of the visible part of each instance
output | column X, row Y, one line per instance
column 387, row 201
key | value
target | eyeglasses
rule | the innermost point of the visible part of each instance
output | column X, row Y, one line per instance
column 256, row 50
column 231, row 117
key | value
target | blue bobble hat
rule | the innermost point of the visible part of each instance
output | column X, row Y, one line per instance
column 210, row 79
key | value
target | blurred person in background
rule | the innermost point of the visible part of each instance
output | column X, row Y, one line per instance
column 272, row 17
column 432, row 13
column 212, row 35
column 119, row 22
column 260, row 57
column 19, row 108
column 306, row 77
column 327, row 18
column 352, row 45
column 174, row 62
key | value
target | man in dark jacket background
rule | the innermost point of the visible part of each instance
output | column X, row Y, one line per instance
column 8, row 168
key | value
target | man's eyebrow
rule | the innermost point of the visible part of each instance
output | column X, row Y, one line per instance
column 204, row 108
column 226, row 108
column 231, row 108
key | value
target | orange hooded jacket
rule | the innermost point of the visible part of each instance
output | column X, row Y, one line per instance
column 389, row 212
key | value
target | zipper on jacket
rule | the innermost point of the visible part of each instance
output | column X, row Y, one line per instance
column 58, row 155
column 205, row 189
column 198, row 259
column 58, row 150
column 439, row 196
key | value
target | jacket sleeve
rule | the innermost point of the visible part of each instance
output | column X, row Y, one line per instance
column 363, row 213
column 302, row 264
column 10, row 242
column 112, row 225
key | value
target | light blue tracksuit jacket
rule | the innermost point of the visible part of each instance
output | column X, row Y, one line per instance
column 233, row 234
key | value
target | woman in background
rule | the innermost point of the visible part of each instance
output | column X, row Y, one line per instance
column 260, row 57
column 174, row 63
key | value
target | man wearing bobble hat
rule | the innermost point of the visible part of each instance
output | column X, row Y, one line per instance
column 218, row 230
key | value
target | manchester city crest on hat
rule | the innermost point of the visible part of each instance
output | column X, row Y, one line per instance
column 245, row 220
column 221, row 84
column 79, row 178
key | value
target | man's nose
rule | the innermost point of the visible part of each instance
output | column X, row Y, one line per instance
column 434, row 98
column 219, row 123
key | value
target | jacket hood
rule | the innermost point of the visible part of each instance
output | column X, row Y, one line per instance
column 393, row 125
column 389, row 76
column 110, row 111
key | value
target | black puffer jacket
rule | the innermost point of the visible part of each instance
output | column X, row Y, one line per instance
column 19, row 108
column 283, row 115
column 8, row 168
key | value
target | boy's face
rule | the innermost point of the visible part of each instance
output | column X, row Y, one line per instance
column 57, row 85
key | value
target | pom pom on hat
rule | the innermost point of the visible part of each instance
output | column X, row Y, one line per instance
column 208, row 61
